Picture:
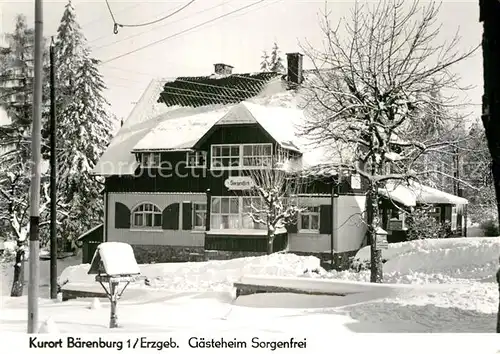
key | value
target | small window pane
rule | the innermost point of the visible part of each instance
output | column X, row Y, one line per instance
column 235, row 150
column 138, row 220
column 314, row 222
column 149, row 219
column 266, row 150
column 216, row 205
column 157, row 219
column 225, row 206
column 304, row 220
column 234, row 206
column 247, row 150
column 235, row 162
column 225, row 151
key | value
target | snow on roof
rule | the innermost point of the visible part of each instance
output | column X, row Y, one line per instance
column 117, row 258
column 118, row 159
column 148, row 106
column 86, row 233
column 414, row 193
column 155, row 126
column 183, row 132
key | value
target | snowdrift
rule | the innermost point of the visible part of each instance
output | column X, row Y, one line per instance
column 205, row 276
column 475, row 258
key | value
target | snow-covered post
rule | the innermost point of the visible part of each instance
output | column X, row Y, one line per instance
column 114, row 263
column 113, row 298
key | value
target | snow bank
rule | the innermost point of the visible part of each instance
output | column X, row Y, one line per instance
column 469, row 258
column 206, row 276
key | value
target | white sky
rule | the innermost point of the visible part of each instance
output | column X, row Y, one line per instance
column 237, row 39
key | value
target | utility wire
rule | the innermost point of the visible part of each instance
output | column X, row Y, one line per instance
column 105, row 15
column 182, row 32
column 116, row 24
column 156, row 28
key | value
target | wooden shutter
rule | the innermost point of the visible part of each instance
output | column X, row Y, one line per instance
column 187, row 216
column 122, row 216
column 170, row 217
column 325, row 219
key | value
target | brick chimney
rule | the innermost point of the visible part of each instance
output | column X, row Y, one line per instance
column 294, row 68
column 223, row 69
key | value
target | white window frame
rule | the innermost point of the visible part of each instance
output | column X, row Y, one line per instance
column 155, row 210
column 197, row 155
column 241, row 214
column 436, row 213
column 241, row 156
column 154, row 159
column 308, row 212
column 195, row 212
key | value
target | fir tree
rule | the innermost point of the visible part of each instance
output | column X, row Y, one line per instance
column 276, row 63
column 70, row 50
column 85, row 128
column 264, row 64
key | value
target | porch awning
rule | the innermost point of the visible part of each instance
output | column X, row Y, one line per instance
column 415, row 193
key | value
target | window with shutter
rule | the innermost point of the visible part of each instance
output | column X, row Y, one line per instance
column 146, row 216
column 309, row 219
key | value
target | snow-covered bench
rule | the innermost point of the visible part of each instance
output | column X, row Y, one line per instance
column 299, row 285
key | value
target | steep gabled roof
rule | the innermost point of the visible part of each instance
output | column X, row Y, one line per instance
column 214, row 89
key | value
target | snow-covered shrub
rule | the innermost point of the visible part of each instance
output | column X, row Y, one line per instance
column 422, row 225
column 490, row 227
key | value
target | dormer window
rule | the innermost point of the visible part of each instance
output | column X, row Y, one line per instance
column 196, row 159
column 150, row 159
column 241, row 156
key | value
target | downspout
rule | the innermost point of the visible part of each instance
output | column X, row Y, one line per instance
column 334, row 198
column 105, row 229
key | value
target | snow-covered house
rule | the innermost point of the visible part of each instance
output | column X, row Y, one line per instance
column 400, row 198
column 175, row 170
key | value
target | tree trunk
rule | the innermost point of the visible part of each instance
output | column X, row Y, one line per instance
column 498, row 313
column 489, row 12
column 270, row 241
column 376, row 274
column 18, row 282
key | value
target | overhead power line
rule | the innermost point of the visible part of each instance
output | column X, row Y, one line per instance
column 183, row 31
column 116, row 24
column 155, row 28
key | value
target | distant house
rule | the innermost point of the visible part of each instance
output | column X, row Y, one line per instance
column 398, row 199
column 170, row 172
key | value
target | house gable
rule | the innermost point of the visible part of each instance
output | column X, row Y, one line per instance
column 236, row 126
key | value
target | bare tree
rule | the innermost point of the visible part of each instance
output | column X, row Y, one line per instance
column 373, row 85
column 274, row 202
column 14, row 193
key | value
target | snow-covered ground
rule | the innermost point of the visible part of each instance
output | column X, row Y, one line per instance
column 197, row 296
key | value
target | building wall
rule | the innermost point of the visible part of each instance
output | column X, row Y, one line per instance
column 352, row 228
column 153, row 237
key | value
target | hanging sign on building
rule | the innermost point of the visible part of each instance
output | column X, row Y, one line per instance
column 239, row 183
column 355, row 181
